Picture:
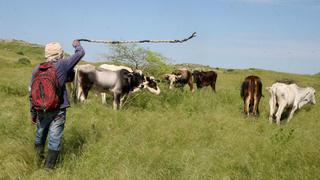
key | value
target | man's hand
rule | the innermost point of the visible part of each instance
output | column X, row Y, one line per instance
column 34, row 120
column 76, row 43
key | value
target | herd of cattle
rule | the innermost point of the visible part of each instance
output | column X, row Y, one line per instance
column 121, row 80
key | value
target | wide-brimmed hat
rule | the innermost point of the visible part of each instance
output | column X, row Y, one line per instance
column 53, row 51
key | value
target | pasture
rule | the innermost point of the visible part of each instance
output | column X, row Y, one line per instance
column 176, row 135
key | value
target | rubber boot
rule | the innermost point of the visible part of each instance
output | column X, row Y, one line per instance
column 40, row 153
column 51, row 159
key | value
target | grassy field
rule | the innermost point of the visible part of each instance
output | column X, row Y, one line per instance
column 176, row 135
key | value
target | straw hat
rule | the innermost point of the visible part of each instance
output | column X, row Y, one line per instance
column 53, row 52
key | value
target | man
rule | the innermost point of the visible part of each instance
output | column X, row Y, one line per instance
column 51, row 122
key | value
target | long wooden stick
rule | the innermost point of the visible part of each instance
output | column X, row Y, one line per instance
column 141, row 41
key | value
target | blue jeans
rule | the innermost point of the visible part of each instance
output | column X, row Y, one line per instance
column 52, row 123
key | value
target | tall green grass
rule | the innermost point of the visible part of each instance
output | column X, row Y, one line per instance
column 176, row 135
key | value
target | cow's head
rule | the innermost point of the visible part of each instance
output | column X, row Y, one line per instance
column 136, row 80
column 151, row 85
column 311, row 96
column 196, row 75
column 172, row 78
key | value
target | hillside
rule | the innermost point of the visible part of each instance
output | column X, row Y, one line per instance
column 176, row 135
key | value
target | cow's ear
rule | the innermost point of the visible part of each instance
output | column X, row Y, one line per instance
column 148, row 78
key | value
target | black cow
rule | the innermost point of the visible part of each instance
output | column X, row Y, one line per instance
column 251, row 93
column 180, row 79
column 205, row 78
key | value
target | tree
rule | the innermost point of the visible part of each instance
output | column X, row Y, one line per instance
column 132, row 55
column 157, row 65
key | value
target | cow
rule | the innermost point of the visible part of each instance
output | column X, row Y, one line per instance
column 150, row 85
column 205, row 78
column 119, row 83
column 179, row 79
column 251, row 93
column 69, row 83
column 115, row 67
column 284, row 96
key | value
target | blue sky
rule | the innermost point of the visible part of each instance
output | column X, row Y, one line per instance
column 281, row 35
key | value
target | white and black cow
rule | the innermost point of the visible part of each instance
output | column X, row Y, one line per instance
column 150, row 82
column 288, row 96
column 118, row 82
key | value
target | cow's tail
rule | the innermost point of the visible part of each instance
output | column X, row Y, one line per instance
column 273, row 100
column 244, row 86
column 260, row 88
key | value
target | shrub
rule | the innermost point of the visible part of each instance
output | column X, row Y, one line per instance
column 286, row 81
column 24, row 61
column 16, row 90
column 20, row 52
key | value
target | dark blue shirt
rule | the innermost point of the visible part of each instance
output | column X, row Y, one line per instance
column 63, row 67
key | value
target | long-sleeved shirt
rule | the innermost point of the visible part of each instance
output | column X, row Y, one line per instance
column 63, row 68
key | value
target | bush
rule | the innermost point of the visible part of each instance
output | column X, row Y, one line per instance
column 20, row 52
column 286, row 81
column 16, row 90
column 24, row 61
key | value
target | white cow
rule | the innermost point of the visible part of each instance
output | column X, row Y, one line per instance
column 288, row 96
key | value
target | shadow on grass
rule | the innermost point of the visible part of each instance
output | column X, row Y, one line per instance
column 72, row 144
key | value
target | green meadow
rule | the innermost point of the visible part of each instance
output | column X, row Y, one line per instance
column 176, row 135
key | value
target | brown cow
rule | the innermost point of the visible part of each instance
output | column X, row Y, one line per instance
column 180, row 78
column 251, row 92
column 205, row 78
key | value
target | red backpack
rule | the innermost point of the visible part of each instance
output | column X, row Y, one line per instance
column 45, row 88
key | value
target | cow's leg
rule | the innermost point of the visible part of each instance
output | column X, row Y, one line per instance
column 190, row 83
column 294, row 108
column 244, row 106
column 103, row 98
column 69, row 88
column 213, row 86
column 116, row 101
column 272, row 107
column 123, row 99
column 171, row 85
column 279, row 112
column 255, row 107
column 79, row 93
column 258, row 101
column 81, row 96
column 248, row 105
column 199, row 86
